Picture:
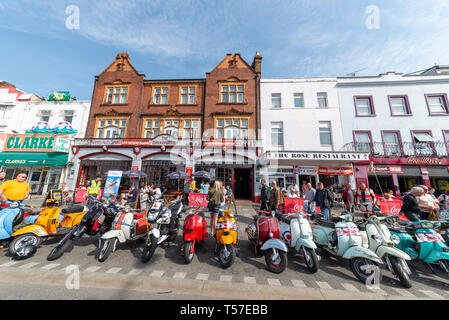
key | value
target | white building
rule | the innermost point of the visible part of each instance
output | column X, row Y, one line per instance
column 302, row 134
column 402, row 120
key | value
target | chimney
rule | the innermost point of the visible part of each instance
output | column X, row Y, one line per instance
column 257, row 63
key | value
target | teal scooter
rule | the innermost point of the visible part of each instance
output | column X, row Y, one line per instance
column 421, row 241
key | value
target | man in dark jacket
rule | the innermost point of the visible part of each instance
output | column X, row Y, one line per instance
column 264, row 195
column 410, row 205
column 323, row 198
column 275, row 197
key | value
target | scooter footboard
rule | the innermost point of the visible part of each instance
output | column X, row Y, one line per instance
column 274, row 243
column 435, row 255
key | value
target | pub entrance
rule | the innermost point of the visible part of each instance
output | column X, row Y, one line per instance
column 242, row 183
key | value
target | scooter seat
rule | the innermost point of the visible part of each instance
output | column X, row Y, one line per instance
column 286, row 219
column 74, row 209
column 397, row 230
column 325, row 223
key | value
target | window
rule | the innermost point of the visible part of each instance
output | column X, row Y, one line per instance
column 362, row 141
column 232, row 128
column 277, row 134
column 437, row 104
column 232, row 93
column 275, row 100
column 116, row 95
column 325, row 133
column 392, row 145
column 399, row 105
column 423, row 143
column 160, row 96
column 172, row 128
column 364, row 106
column 152, row 128
column 446, row 139
column 298, row 100
column 191, row 129
column 188, row 95
column 45, row 115
column 111, row 128
column 322, row 99
column 68, row 116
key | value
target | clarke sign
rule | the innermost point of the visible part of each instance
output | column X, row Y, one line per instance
column 35, row 143
column 335, row 156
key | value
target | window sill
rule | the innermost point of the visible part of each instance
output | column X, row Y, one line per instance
column 113, row 104
column 367, row 116
column 158, row 105
column 232, row 104
column 402, row 115
column 187, row 105
column 438, row 114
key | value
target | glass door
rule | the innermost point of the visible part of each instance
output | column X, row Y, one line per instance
column 35, row 180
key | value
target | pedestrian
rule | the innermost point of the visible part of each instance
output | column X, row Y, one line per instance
column 410, row 206
column 2, row 177
column 323, row 198
column 365, row 199
column 192, row 186
column 444, row 205
column 348, row 198
column 429, row 206
column 15, row 190
column 223, row 203
column 131, row 197
column 205, row 186
column 214, row 199
column 94, row 188
column 275, row 197
column 292, row 193
column 304, row 188
column 309, row 204
column 333, row 195
column 264, row 196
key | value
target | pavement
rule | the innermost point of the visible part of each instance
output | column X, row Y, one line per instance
column 124, row 276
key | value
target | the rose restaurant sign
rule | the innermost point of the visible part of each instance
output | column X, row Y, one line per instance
column 333, row 156
column 35, row 143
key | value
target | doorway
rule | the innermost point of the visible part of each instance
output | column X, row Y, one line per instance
column 242, row 183
column 385, row 183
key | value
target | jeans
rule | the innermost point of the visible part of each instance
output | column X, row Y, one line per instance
column 326, row 212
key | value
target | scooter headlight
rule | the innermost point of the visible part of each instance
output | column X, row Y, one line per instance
column 395, row 238
column 378, row 238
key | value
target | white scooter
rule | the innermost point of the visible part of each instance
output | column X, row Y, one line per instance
column 343, row 239
column 297, row 235
column 378, row 239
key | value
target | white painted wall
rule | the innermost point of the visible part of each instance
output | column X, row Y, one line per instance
column 301, row 125
column 11, row 119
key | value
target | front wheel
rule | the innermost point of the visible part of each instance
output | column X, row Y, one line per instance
column 58, row 251
column 400, row 272
column 22, row 241
column 188, row 252
column 365, row 270
column 276, row 260
column 149, row 249
column 226, row 255
column 106, row 247
column 311, row 259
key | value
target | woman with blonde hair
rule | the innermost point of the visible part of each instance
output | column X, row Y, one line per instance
column 215, row 198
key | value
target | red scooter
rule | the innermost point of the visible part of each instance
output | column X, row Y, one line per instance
column 195, row 230
column 264, row 235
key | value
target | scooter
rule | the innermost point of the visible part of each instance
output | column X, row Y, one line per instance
column 342, row 238
column 164, row 221
column 130, row 225
column 51, row 221
column 11, row 219
column 421, row 241
column 297, row 235
column 378, row 239
column 97, row 220
column 226, row 236
column 264, row 235
column 195, row 231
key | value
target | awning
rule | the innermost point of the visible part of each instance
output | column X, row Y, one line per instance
column 33, row 159
column 423, row 137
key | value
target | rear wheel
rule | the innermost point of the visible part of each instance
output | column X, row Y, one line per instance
column 149, row 249
column 58, row 251
column 276, row 260
column 226, row 257
column 106, row 247
column 311, row 259
column 22, row 241
column 400, row 272
column 188, row 252
column 363, row 269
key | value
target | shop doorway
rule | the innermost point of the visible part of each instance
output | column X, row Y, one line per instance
column 385, row 184
column 406, row 183
column 242, row 183
column 440, row 185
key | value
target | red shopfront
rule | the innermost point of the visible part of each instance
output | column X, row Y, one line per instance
column 401, row 174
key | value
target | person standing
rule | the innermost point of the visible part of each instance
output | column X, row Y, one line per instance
column 309, row 204
column 304, row 188
column 205, row 187
column 15, row 190
column 365, row 199
column 348, row 198
column 2, row 177
column 410, row 206
column 94, row 188
column 192, row 186
column 275, row 197
column 429, row 206
column 323, row 198
column 214, row 199
column 264, row 199
column 444, row 205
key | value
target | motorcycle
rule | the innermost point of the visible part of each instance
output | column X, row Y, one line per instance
column 421, row 241
column 11, row 219
column 264, row 236
column 342, row 238
column 226, row 236
column 130, row 225
column 97, row 220
column 297, row 235
column 164, row 222
column 378, row 239
column 194, row 231
column 51, row 221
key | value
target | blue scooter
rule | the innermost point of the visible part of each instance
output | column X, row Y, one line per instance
column 11, row 216
column 421, row 241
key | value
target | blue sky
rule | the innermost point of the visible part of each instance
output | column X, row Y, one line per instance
column 187, row 38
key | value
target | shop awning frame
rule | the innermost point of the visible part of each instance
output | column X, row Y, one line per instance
column 33, row 159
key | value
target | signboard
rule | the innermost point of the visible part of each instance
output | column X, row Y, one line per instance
column 33, row 143
column 429, row 161
column 197, row 200
column 392, row 207
column 328, row 156
column 335, row 171
column 81, row 195
column 61, row 145
column 294, row 205
column 304, row 171
column 386, row 169
column 164, row 140
column 112, row 183
column 189, row 170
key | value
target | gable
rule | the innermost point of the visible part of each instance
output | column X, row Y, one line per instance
column 233, row 61
column 121, row 63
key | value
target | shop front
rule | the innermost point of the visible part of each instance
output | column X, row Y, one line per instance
column 42, row 157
